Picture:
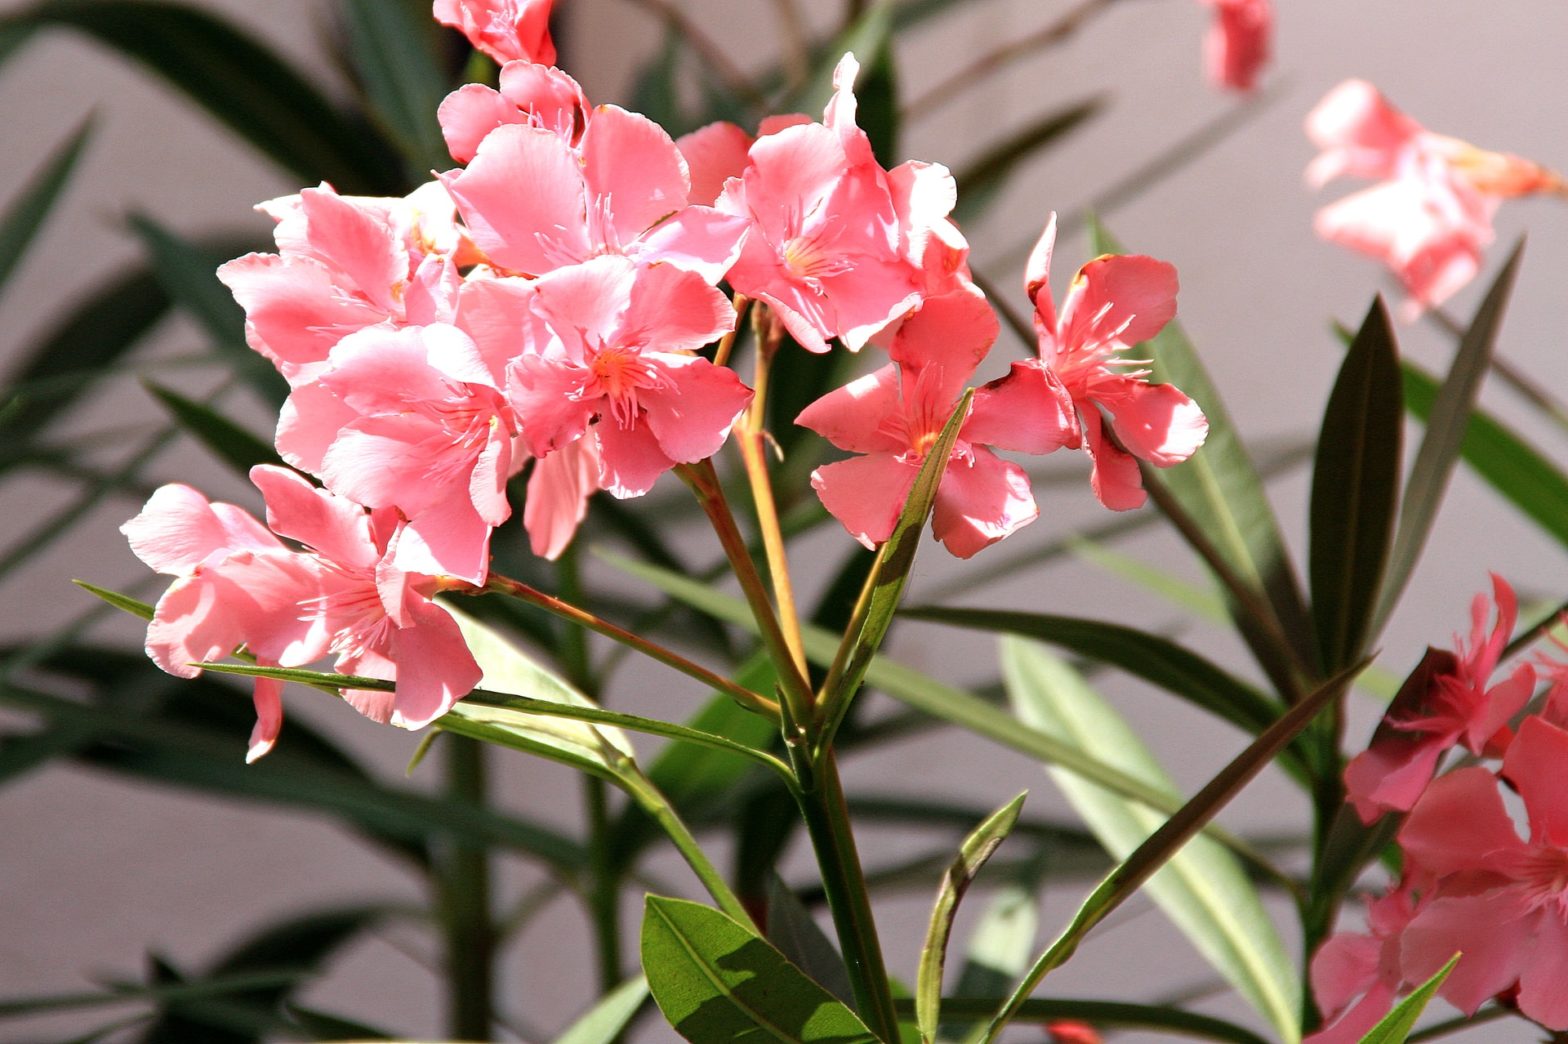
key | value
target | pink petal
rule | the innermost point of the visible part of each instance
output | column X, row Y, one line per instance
column 434, row 667
column 1493, row 931
column 1358, row 1020
column 1391, row 774
column 179, row 528
column 955, row 329
column 857, row 416
column 1126, row 297
column 558, row 492
column 1534, row 766
column 268, row 698
column 1115, row 479
column 448, row 538
column 498, row 315
column 791, row 173
column 866, row 494
column 529, row 232
column 981, row 499
column 1541, row 993
column 1037, row 275
column 357, row 242
column 632, row 165
column 1238, row 42
column 713, row 154
column 334, row 527
column 1344, row 968
column 471, row 112
column 1028, row 410
column 547, row 395
column 1359, row 131
column 630, row 459
column 550, row 98
column 697, row 239
column 1155, row 421
column 669, row 310
column 692, row 417
column 1460, row 824
column 294, row 313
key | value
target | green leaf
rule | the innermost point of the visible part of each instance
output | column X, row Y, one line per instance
column 1157, row 660
column 394, row 50
column 981, row 181
column 933, row 697
column 884, row 588
column 227, row 441
column 802, row 941
column 1202, row 888
column 1001, row 944
column 323, row 1025
column 24, row 1006
column 33, row 204
column 972, row 855
column 1517, row 470
column 1445, row 434
column 1395, row 1027
column 1105, row 1014
column 239, row 81
column 876, row 93
column 119, row 601
column 715, row 981
column 603, row 1023
column 1355, row 483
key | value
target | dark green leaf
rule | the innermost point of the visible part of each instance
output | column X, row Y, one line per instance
column 322, row 1025
column 227, row 441
column 654, row 90
column 33, row 204
column 973, row 852
column 237, row 80
column 393, row 44
column 801, row 939
column 1395, row 1027
column 1355, row 484
column 1107, row 1014
column 1517, row 470
column 1445, row 433
column 21, row 1006
column 876, row 92
column 716, row 981
column 981, row 181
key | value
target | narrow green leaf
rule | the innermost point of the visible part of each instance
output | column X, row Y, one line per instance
column 1156, row 660
column 324, row 1025
column 716, row 981
column 236, row 79
column 885, row 586
column 1395, row 1027
column 972, row 855
column 119, row 601
column 604, row 1022
column 227, row 441
column 1104, row 1013
column 1001, row 944
column 1355, row 482
column 33, row 204
column 1517, row 470
column 802, row 941
column 1202, row 888
column 22, row 1006
column 1445, row 434
column 981, row 181
column 394, row 50
column 933, row 697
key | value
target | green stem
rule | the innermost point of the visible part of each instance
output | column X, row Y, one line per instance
column 604, row 893
column 464, row 882
column 827, row 823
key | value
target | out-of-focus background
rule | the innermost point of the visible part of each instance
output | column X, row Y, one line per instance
column 96, row 871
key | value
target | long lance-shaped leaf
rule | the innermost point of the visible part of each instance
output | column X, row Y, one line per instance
column 227, row 441
column 22, row 1006
column 937, row 699
column 1156, row 660
column 605, row 1021
column 237, row 80
column 1395, row 1027
column 1104, row 1013
column 1220, row 486
column 395, row 53
column 1355, row 481
column 716, row 980
column 1445, row 434
column 1203, row 889
column 972, row 855
column 1510, row 465
column 33, row 204
column 981, row 181
column 884, row 587
column 1148, row 857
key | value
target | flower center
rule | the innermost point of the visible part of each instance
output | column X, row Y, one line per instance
column 621, row 375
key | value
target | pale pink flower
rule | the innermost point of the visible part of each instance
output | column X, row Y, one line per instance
column 1446, row 701
column 1430, row 217
column 1501, row 900
column 1238, row 42
column 236, row 584
column 623, row 190
column 894, row 415
column 618, row 367
column 717, row 152
column 1113, row 303
column 1357, row 976
column 532, row 95
column 418, row 422
column 345, row 263
column 506, row 30
column 824, row 249
column 558, row 490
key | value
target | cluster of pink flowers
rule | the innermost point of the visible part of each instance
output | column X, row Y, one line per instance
column 1429, row 217
column 1469, row 884
column 547, row 301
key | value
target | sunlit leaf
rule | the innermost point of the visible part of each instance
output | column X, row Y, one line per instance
column 1395, row 1027
column 604, row 1022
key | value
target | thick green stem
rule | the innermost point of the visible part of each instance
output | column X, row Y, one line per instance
column 604, row 893
column 827, row 823
column 464, row 882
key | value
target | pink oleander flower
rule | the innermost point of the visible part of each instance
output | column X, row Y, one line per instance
column 825, row 250
column 237, row 584
column 506, row 30
column 1357, row 976
column 345, row 263
column 612, row 361
column 414, row 419
column 532, row 95
column 1500, row 899
column 1238, row 42
column 1446, row 701
column 1430, row 217
column 892, row 416
column 717, row 152
column 623, row 190
column 1113, row 303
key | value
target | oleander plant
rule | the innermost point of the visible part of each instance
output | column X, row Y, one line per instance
column 564, row 389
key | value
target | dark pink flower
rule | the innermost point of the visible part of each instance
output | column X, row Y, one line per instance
column 1357, row 976
column 506, row 30
column 532, row 95
column 1238, row 42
